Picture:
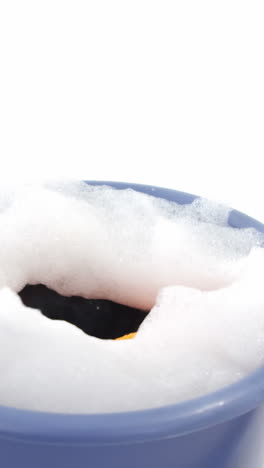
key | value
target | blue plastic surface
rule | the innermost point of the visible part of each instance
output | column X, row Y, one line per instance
column 222, row 429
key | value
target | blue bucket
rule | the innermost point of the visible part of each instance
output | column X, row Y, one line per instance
column 219, row 430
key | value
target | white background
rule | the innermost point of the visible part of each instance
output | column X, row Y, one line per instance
column 161, row 92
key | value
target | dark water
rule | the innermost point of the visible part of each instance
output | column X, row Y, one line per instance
column 96, row 317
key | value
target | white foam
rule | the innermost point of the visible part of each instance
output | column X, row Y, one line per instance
column 137, row 250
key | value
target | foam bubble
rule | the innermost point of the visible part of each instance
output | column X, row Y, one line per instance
column 200, row 278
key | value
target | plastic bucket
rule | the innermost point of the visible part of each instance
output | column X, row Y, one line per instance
column 222, row 429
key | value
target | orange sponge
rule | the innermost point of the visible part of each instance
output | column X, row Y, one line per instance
column 127, row 337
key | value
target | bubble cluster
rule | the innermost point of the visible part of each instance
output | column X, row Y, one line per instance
column 200, row 278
